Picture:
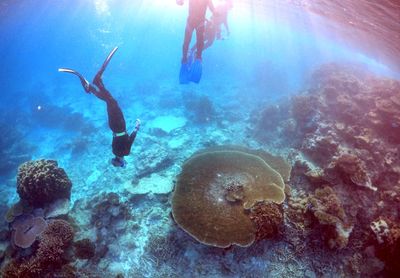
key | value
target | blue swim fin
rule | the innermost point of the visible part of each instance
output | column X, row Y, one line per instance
column 184, row 73
column 195, row 71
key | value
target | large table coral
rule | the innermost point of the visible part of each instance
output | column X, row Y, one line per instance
column 216, row 192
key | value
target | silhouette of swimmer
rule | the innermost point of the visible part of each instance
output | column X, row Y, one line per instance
column 210, row 34
column 195, row 21
column 220, row 17
column 122, row 142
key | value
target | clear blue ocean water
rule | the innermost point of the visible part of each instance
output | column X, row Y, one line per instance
column 271, row 52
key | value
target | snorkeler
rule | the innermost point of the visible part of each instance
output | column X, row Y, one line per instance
column 213, row 27
column 195, row 21
column 220, row 17
column 209, row 36
column 122, row 141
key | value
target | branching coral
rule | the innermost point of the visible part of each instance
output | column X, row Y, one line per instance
column 53, row 244
column 41, row 182
column 214, row 190
column 50, row 255
column 267, row 217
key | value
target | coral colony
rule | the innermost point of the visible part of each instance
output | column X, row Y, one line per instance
column 330, row 192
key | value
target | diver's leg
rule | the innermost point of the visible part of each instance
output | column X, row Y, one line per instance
column 98, row 81
column 209, row 41
column 116, row 120
column 106, row 61
column 199, row 40
column 85, row 84
column 186, row 41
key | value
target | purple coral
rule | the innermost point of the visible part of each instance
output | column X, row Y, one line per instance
column 26, row 229
column 50, row 255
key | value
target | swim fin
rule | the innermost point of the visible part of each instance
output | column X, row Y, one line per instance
column 103, row 67
column 184, row 73
column 196, row 71
column 84, row 82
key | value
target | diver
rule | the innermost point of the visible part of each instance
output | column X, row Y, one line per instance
column 122, row 141
column 191, row 71
column 220, row 17
column 210, row 33
column 212, row 29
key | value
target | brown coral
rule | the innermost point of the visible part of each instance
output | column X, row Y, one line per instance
column 214, row 190
column 84, row 249
column 328, row 211
column 352, row 171
column 267, row 218
column 387, row 233
column 41, row 182
column 49, row 257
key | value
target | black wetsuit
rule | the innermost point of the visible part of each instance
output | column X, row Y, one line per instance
column 122, row 142
column 195, row 21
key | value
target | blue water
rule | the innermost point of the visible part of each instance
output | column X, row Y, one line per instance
column 269, row 56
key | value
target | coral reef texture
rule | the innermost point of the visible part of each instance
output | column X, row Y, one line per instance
column 346, row 179
column 50, row 255
column 41, row 182
column 214, row 190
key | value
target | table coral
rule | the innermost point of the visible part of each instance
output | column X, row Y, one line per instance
column 41, row 182
column 214, row 191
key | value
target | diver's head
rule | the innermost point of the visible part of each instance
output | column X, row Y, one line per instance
column 118, row 161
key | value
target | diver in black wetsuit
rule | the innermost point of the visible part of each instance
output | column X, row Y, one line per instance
column 122, row 141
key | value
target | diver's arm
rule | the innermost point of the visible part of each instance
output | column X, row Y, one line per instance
column 133, row 134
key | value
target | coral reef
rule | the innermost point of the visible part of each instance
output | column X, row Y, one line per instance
column 328, row 211
column 14, row 149
column 41, row 182
column 54, row 241
column 214, row 190
column 84, row 249
column 267, row 217
column 61, row 117
column 26, row 228
column 50, row 256
column 199, row 108
column 110, row 218
column 345, row 146
column 16, row 210
column 387, row 243
column 153, row 162
column 351, row 170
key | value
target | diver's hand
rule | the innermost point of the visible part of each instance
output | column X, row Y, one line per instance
column 180, row 2
column 137, row 126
